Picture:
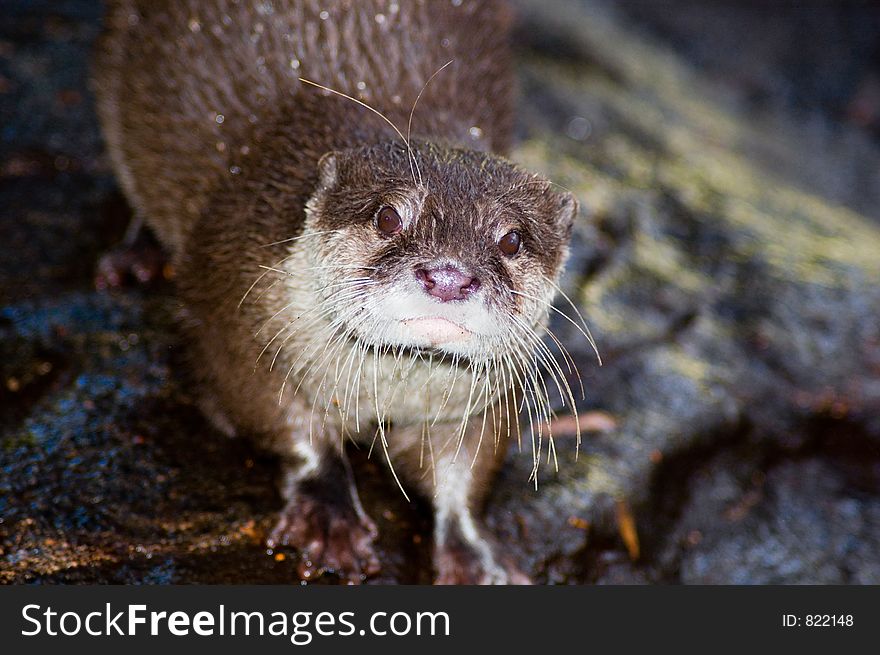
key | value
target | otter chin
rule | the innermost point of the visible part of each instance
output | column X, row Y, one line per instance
column 435, row 330
column 356, row 257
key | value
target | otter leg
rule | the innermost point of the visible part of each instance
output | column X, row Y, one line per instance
column 457, row 479
column 323, row 517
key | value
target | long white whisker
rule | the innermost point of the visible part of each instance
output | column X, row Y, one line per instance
column 362, row 104
column 307, row 235
column 412, row 113
column 586, row 334
column 580, row 316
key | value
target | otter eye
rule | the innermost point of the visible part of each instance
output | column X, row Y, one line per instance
column 388, row 221
column 509, row 244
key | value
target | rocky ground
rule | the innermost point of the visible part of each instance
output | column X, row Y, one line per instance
column 727, row 261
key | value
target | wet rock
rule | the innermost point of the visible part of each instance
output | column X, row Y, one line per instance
column 797, row 522
column 732, row 292
column 732, row 304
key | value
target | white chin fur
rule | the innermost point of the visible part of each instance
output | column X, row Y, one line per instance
column 412, row 318
column 435, row 331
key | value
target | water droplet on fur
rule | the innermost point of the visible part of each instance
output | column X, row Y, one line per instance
column 380, row 18
column 456, row 3
column 324, row 15
column 195, row 25
column 235, row 170
column 219, row 118
column 475, row 132
column 294, row 64
column 361, row 86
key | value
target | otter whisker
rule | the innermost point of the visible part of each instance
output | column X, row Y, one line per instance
column 346, row 283
column 544, row 183
column 586, row 334
column 550, row 363
column 541, row 404
column 262, row 275
column 496, row 396
column 336, row 325
column 322, row 313
column 454, row 373
column 580, row 316
column 504, row 410
column 522, row 384
column 413, row 111
column 381, row 430
column 304, row 352
column 570, row 364
column 466, row 414
column 330, row 350
column 271, row 269
column 333, row 393
column 338, row 267
column 348, row 365
column 568, row 394
column 307, row 235
column 555, row 372
column 365, row 106
column 288, row 305
column 487, row 390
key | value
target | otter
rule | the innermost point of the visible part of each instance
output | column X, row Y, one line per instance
column 356, row 259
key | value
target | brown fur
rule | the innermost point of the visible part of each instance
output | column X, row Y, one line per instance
column 168, row 68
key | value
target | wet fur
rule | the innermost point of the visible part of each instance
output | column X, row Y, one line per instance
column 268, row 215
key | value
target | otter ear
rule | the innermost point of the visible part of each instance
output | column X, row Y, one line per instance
column 565, row 215
column 327, row 170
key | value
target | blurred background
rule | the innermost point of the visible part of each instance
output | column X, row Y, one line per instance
column 726, row 156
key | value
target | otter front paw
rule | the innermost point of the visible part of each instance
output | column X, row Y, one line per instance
column 329, row 536
column 461, row 561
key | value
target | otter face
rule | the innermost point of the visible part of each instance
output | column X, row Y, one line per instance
column 451, row 250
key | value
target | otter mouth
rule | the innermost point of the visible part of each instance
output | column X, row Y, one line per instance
column 436, row 330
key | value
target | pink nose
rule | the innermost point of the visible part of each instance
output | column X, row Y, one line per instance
column 447, row 283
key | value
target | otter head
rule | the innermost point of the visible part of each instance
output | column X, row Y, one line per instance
column 439, row 248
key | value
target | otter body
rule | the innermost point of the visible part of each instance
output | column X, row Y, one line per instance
column 343, row 276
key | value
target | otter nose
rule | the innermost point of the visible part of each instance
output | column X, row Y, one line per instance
column 447, row 283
